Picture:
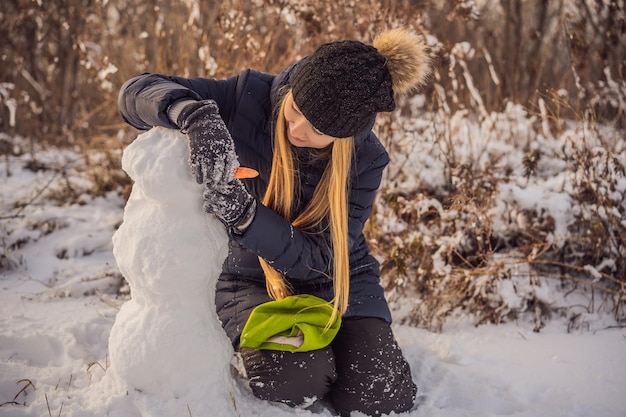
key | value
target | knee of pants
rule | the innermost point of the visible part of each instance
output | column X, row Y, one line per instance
column 373, row 375
column 293, row 378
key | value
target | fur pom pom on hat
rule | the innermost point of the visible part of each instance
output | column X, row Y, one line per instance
column 344, row 84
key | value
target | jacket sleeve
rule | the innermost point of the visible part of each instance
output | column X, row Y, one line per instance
column 144, row 100
column 300, row 255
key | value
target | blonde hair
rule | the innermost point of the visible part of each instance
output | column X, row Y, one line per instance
column 330, row 200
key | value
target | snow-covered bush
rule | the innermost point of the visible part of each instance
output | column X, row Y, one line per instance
column 484, row 215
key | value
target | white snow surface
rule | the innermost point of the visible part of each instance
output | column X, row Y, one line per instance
column 69, row 346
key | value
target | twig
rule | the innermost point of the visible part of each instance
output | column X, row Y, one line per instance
column 43, row 93
column 48, row 404
column 581, row 270
column 96, row 363
column 617, row 326
column 50, row 411
column 69, row 383
column 29, row 384
column 38, row 194
column 15, row 216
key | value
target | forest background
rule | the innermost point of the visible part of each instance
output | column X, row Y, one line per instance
column 560, row 64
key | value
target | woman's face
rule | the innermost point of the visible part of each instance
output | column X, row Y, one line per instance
column 300, row 132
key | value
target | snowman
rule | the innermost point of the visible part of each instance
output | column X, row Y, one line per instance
column 168, row 353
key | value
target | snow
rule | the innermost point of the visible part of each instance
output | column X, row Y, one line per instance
column 71, row 343
column 503, row 371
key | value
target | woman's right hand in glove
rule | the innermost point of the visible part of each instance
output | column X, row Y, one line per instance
column 212, row 154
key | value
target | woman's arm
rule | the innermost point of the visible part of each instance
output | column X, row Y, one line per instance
column 144, row 100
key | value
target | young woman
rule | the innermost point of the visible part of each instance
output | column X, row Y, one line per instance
column 296, row 230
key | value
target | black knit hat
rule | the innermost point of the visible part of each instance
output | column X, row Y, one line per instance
column 342, row 86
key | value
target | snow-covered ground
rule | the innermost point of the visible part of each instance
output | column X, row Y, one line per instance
column 60, row 297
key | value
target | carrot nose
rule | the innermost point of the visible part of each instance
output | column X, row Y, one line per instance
column 243, row 173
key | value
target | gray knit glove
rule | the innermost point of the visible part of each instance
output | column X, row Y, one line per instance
column 231, row 203
column 212, row 154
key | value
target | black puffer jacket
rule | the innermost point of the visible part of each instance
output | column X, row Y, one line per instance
column 247, row 102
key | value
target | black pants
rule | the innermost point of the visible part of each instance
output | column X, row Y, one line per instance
column 362, row 370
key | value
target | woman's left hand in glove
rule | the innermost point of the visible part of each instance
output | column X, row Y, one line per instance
column 231, row 203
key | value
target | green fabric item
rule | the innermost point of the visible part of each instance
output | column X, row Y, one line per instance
column 296, row 324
